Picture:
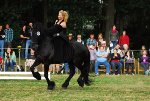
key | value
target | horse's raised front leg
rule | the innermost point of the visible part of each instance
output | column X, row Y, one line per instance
column 34, row 71
column 51, row 84
column 72, row 72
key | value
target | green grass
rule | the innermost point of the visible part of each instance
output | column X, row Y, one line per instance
column 103, row 88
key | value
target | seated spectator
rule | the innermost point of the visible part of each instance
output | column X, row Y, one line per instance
column 143, row 48
column 1, row 63
column 54, row 68
column 101, row 59
column 144, row 60
column 103, row 44
column 129, row 61
column 79, row 39
column 66, row 67
column 117, row 48
column 29, row 62
column 32, row 55
column 123, row 52
column 115, row 62
column 10, row 59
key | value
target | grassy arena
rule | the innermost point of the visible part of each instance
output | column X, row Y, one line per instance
column 103, row 88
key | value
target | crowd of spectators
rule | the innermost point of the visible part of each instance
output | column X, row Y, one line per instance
column 113, row 55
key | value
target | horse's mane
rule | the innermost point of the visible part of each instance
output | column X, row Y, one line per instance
column 40, row 27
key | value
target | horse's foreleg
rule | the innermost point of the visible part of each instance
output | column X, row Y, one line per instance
column 51, row 84
column 34, row 71
column 72, row 72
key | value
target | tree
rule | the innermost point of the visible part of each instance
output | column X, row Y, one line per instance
column 110, row 12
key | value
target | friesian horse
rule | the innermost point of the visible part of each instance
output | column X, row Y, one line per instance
column 42, row 44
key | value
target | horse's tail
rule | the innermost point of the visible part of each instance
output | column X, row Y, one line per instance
column 86, row 67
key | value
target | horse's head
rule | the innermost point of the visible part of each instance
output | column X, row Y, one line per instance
column 37, row 34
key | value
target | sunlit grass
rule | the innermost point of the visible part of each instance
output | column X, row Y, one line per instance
column 103, row 88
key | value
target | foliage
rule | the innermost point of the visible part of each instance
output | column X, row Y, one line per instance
column 132, row 15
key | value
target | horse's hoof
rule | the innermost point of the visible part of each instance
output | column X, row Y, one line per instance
column 37, row 75
column 81, row 83
column 50, row 87
column 64, row 88
column 65, row 85
column 87, row 84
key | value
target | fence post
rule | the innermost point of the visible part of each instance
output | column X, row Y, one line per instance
column 19, row 49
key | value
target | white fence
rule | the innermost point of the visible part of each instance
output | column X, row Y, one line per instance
column 20, row 76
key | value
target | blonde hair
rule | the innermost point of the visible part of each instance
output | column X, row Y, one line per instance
column 64, row 14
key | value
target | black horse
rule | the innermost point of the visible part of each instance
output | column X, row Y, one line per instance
column 43, row 45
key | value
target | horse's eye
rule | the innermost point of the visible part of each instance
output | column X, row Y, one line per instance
column 38, row 33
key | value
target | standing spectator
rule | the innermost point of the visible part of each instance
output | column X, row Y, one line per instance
column 91, row 44
column 8, row 36
column 30, row 28
column 23, row 37
column 1, row 63
column 102, row 60
column 144, row 60
column 115, row 62
column 100, row 39
column 129, row 61
column 79, row 39
column 124, row 39
column 10, row 59
column 70, row 37
column 2, row 36
column 27, row 36
column 114, row 36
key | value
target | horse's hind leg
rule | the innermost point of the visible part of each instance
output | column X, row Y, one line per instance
column 86, row 67
column 80, row 80
column 35, row 73
column 72, row 72
column 51, row 84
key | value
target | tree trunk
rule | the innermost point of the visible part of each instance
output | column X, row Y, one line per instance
column 110, row 11
column 6, row 3
column 45, row 18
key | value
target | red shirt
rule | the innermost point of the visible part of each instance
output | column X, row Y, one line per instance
column 1, row 60
column 124, row 40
